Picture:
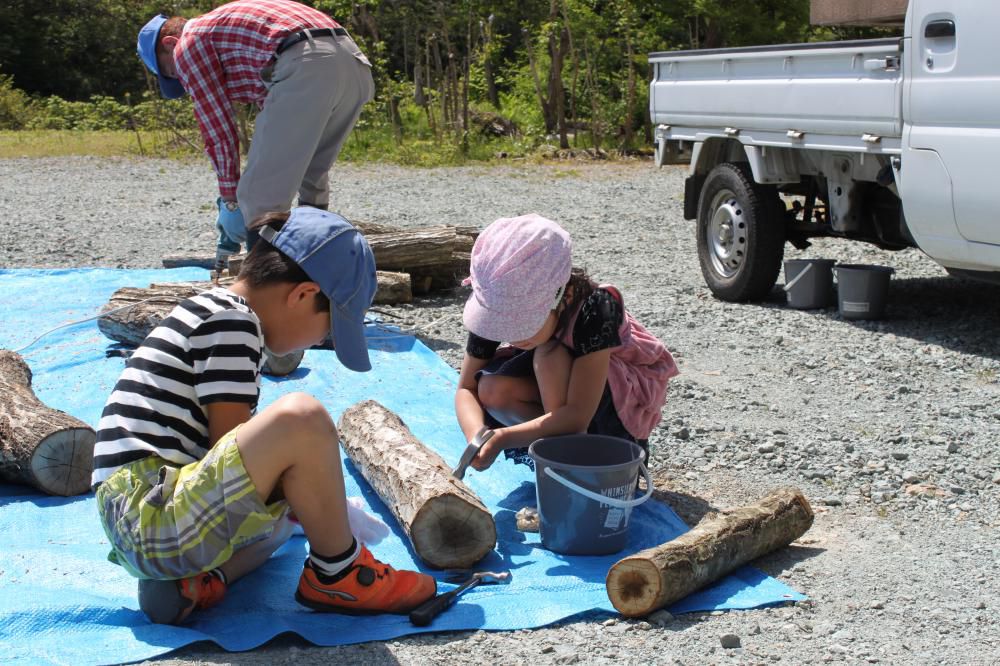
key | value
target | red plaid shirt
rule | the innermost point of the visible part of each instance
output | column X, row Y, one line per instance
column 219, row 58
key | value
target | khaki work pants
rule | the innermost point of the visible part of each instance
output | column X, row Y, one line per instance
column 316, row 90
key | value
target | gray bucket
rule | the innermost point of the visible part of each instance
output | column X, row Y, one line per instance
column 809, row 283
column 585, row 486
column 862, row 290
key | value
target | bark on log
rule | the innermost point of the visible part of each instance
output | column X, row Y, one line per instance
column 369, row 229
column 721, row 542
column 412, row 248
column 393, row 288
column 40, row 446
column 206, row 261
column 442, row 276
column 446, row 522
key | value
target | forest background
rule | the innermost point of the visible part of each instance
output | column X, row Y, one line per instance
column 456, row 80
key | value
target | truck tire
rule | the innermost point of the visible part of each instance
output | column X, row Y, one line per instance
column 741, row 234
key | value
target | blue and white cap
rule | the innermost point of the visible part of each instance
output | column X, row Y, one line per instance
column 146, row 47
column 336, row 256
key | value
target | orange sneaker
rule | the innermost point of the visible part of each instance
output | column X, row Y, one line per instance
column 369, row 587
column 171, row 601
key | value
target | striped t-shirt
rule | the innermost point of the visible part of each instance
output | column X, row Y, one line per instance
column 208, row 349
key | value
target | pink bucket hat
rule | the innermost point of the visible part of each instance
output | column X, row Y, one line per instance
column 519, row 268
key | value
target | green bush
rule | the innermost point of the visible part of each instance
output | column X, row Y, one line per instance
column 15, row 106
column 107, row 113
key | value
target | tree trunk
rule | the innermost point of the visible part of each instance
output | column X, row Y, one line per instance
column 558, row 45
column 447, row 523
column 721, row 542
column 576, row 71
column 630, row 94
column 546, row 104
column 40, row 446
column 419, row 98
column 395, row 119
column 595, row 122
column 491, row 82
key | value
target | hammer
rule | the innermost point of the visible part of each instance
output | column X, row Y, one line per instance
column 422, row 615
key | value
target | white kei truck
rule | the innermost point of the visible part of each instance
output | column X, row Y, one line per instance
column 894, row 142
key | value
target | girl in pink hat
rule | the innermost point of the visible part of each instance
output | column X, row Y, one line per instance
column 574, row 360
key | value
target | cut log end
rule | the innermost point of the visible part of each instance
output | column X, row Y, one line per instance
column 633, row 586
column 63, row 462
column 450, row 533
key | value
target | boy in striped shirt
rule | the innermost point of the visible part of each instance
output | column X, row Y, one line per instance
column 194, row 490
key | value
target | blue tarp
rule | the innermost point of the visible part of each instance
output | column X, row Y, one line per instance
column 62, row 602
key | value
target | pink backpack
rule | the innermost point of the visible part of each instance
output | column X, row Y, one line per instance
column 638, row 372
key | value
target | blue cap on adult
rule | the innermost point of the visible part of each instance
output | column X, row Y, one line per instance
column 336, row 256
column 146, row 46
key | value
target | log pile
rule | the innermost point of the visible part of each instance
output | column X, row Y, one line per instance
column 446, row 522
column 40, row 446
column 434, row 258
column 653, row 578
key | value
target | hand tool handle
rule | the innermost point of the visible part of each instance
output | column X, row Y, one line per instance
column 427, row 611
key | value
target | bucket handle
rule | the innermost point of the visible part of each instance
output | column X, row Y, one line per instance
column 617, row 503
column 798, row 277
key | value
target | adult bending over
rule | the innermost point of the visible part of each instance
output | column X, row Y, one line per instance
column 296, row 63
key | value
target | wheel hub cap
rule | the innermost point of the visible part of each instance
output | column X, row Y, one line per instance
column 727, row 235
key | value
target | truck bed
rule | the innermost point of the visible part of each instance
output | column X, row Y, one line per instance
column 844, row 89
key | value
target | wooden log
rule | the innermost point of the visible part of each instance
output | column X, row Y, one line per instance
column 446, row 522
column 206, row 261
column 132, row 325
column 393, row 288
column 442, row 276
column 368, row 229
column 411, row 248
column 235, row 263
column 40, row 446
column 639, row 584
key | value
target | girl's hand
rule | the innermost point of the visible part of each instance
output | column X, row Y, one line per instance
column 488, row 453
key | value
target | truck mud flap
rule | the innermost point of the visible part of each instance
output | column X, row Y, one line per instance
column 692, row 191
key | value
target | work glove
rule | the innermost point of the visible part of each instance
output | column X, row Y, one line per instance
column 232, row 232
column 231, row 221
column 365, row 527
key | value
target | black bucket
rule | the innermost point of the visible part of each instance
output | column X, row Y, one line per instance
column 585, row 486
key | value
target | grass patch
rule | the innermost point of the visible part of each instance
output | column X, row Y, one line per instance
column 58, row 143
column 365, row 145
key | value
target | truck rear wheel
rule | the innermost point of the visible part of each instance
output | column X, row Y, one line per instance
column 741, row 234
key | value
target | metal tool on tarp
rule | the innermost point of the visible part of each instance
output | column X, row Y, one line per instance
column 423, row 614
column 484, row 435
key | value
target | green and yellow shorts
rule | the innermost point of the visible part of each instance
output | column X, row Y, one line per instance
column 168, row 522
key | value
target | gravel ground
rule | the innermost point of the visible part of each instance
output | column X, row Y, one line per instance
column 890, row 427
